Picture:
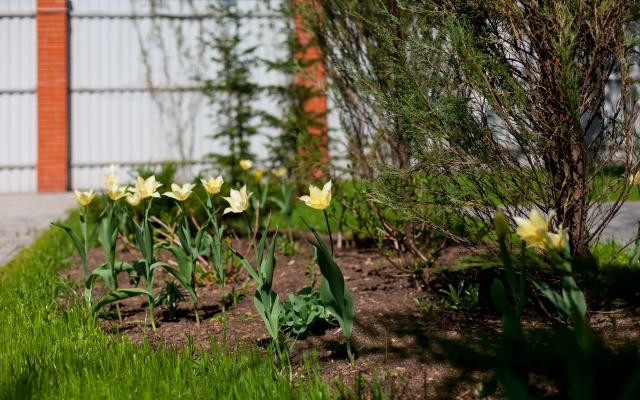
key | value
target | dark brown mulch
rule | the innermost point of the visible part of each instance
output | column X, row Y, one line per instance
column 395, row 339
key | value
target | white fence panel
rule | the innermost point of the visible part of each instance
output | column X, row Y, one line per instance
column 18, row 119
column 114, row 117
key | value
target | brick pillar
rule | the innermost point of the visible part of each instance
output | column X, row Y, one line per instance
column 315, row 78
column 53, row 96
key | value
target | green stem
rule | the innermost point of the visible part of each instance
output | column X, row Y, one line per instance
column 118, row 310
column 353, row 361
column 195, row 308
column 222, row 299
column 326, row 218
column 253, row 238
column 153, row 324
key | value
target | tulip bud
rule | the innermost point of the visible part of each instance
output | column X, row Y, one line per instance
column 501, row 225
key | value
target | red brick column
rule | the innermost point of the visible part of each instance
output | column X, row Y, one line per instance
column 53, row 93
column 314, row 77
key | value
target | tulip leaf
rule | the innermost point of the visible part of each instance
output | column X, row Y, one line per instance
column 121, row 266
column 345, row 313
column 117, row 295
column 186, row 281
column 141, row 268
column 77, row 242
column 139, row 236
column 277, row 202
column 269, row 264
column 266, row 302
column 246, row 265
column 199, row 235
column 318, row 238
column 183, row 262
column 331, row 272
column 102, row 272
column 260, row 249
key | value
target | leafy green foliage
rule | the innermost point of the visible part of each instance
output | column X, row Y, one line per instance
column 170, row 296
column 265, row 300
column 462, row 299
column 301, row 314
column 333, row 289
column 232, row 90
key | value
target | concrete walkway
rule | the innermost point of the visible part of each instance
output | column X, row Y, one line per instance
column 22, row 217
column 625, row 225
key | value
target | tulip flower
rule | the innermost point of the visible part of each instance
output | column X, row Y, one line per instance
column 555, row 241
column 133, row 199
column 84, row 198
column 246, row 164
column 116, row 192
column 213, row 185
column 146, row 188
column 257, row 174
column 279, row 172
column 238, row 200
column 111, row 176
column 318, row 199
column 180, row 193
column 535, row 231
column 634, row 179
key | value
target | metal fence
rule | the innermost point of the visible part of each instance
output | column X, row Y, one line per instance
column 115, row 116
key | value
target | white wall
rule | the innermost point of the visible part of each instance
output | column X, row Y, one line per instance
column 18, row 123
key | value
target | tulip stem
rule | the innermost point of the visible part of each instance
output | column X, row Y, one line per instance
column 326, row 218
column 255, row 249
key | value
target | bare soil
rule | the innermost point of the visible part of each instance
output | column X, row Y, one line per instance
column 395, row 339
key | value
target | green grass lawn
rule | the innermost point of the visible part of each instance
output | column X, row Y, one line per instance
column 50, row 349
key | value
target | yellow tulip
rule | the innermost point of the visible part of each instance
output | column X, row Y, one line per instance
column 257, row 174
column 180, row 193
column 238, row 200
column 134, row 199
column 534, row 230
column 246, row 164
column 213, row 185
column 280, row 172
column 634, row 179
column 318, row 199
column 111, row 176
column 555, row 241
column 146, row 188
column 84, row 198
column 116, row 192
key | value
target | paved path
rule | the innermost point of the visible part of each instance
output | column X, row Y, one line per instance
column 625, row 225
column 22, row 217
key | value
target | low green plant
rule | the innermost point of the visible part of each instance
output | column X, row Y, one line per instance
column 425, row 306
column 82, row 245
column 217, row 255
column 186, row 254
column 310, row 270
column 170, row 296
column 287, row 248
column 265, row 299
column 108, row 271
column 461, row 299
column 333, row 289
column 300, row 314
